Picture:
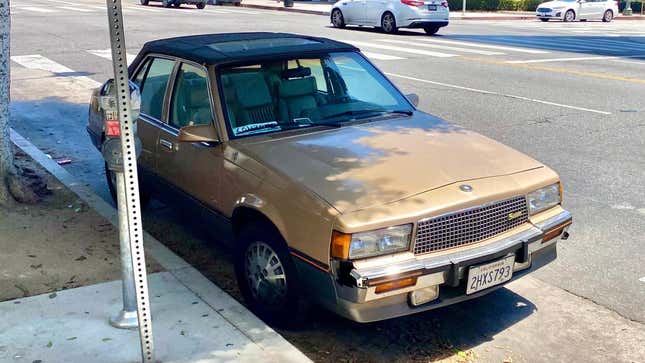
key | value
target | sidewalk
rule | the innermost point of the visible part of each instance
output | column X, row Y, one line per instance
column 193, row 319
column 324, row 8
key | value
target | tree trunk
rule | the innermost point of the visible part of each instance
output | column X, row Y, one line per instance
column 7, row 168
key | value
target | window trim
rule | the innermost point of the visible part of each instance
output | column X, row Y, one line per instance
column 144, row 62
column 171, row 91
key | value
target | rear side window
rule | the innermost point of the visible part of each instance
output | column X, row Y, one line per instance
column 190, row 103
column 153, row 86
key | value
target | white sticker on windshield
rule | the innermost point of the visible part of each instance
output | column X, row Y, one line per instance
column 253, row 128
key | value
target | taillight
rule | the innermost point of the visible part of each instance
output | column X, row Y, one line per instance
column 412, row 2
column 444, row 4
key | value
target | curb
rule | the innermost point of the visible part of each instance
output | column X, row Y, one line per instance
column 277, row 348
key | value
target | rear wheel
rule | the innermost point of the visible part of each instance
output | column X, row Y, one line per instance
column 166, row 3
column 430, row 30
column 608, row 16
column 177, row 4
column 388, row 23
column 337, row 19
column 569, row 16
column 143, row 2
column 544, row 19
column 201, row 5
column 110, row 176
column 266, row 274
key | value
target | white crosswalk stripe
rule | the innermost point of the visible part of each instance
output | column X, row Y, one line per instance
column 445, row 47
column 39, row 10
column 37, row 61
column 399, row 49
column 107, row 54
column 488, row 46
column 76, row 8
column 379, row 56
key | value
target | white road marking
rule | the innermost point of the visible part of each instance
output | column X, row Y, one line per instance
column 642, row 279
column 216, row 11
column 401, row 49
column 478, row 45
column 500, row 94
column 629, row 62
column 446, row 47
column 379, row 56
column 72, row 8
column 107, row 54
column 547, row 60
column 228, row 10
column 37, row 61
column 39, row 10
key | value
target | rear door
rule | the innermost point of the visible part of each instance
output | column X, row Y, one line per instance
column 372, row 10
column 193, row 168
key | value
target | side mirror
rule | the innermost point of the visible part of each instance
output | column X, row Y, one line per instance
column 198, row 133
column 413, row 98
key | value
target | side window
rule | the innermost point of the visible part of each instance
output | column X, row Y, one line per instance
column 153, row 86
column 190, row 103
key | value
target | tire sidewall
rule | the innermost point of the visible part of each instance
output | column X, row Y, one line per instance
column 288, row 313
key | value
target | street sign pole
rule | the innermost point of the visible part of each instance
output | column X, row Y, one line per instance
column 463, row 8
column 129, row 193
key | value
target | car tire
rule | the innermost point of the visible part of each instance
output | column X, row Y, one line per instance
column 544, row 19
column 431, row 30
column 388, row 23
column 110, row 177
column 337, row 19
column 569, row 16
column 166, row 3
column 201, row 6
column 608, row 16
column 258, row 246
column 176, row 4
column 143, row 2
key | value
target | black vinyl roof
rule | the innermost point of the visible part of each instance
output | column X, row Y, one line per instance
column 240, row 47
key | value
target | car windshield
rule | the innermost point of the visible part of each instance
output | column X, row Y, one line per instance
column 331, row 90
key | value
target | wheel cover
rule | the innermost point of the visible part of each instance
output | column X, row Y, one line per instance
column 388, row 22
column 265, row 275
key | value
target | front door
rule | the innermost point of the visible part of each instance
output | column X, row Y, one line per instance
column 193, row 168
column 587, row 9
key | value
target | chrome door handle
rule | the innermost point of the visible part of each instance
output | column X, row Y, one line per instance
column 165, row 143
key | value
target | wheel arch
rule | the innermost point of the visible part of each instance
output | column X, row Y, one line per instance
column 251, row 209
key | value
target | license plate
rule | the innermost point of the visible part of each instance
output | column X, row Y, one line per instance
column 494, row 273
column 432, row 7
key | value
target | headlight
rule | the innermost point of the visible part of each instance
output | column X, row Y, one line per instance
column 544, row 198
column 371, row 243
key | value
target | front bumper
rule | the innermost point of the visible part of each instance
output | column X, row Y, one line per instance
column 555, row 14
column 359, row 301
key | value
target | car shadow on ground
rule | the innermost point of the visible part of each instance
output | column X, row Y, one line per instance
column 326, row 337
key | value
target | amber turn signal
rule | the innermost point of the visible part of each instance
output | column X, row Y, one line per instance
column 555, row 232
column 393, row 285
column 340, row 245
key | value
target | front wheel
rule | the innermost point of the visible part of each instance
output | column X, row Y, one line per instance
column 388, row 23
column 544, row 19
column 337, row 19
column 143, row 2
column 608, row 16
column 166, row 3
column 266, row 274
column 569, row 16
column 201, row 6
column 430, row 30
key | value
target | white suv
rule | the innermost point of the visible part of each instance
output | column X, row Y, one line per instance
column 390, row 15
column 570, row 10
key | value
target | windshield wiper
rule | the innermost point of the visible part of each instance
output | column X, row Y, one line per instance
column 362, row 112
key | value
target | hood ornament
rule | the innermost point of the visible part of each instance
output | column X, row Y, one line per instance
column 466, row 188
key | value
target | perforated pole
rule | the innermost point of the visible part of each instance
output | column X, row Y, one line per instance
column 132, row 204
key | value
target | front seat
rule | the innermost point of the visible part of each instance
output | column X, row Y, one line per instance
column 199, row 103
column 298, row 99
column 254, row 99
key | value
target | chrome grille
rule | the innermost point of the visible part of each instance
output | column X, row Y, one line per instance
column 469, row 225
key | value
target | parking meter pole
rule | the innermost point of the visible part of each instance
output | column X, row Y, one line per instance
column 628, row 8
column 127, row 317
column 127, row 157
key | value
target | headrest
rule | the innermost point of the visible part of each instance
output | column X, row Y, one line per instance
column 298, row 87
column 251, row 90
column 296, row 73
column 199, row 95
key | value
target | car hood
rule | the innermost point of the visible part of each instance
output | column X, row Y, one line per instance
column 551, row 4
column 375, row 163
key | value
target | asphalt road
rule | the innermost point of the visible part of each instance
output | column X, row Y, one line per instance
column 570, row 95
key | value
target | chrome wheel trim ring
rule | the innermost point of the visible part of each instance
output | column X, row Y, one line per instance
column 265, row 274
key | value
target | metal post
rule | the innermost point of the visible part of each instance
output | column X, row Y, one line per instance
column 130, row 193
column 127, row 317
column 628, row 8
column 463, row 9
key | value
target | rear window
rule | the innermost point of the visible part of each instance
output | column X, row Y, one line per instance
column 242, row 45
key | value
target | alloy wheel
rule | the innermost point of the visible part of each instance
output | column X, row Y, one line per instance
column 609, row 15
column 265, row 274
column 569, row 16
column 388, row 23
column 337, row 19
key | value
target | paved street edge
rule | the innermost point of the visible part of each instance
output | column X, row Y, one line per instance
column 277, row 348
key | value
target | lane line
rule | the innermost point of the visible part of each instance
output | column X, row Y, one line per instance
column 37, row 61
column 478, row 45
column 379, row 56
column 499, row 94
column 400, row 49
column 107, row 54
column 82, row 10
column 547, row 60
column 446, row 47
column 39, row 10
